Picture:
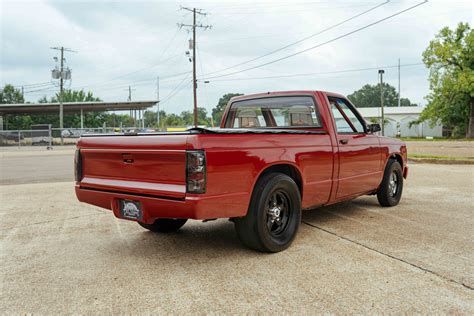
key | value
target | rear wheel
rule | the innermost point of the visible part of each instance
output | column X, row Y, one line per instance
column 164, row 225
column 274, row 214
column 390, row 190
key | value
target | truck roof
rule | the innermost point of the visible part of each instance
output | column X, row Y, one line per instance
column 282, row 93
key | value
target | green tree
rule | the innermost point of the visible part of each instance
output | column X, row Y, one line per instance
column 369, row 96
column 91, row 119
column 450, row 58
column 75, row 96
column 218, row 111
column 174, row 120
column 10, row 95
column 150, row 118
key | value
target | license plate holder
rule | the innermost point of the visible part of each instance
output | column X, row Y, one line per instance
column 131, row 209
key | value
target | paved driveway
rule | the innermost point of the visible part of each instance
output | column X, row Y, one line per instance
column 60, row 256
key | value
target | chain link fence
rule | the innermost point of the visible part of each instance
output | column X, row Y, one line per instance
column 49, row 137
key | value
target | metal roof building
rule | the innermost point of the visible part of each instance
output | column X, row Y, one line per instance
column 72, row 107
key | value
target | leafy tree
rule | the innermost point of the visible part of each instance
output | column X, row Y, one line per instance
column 369, row 96
column 174, row 120
column 150, row 118
column 10, row 95
column 75, row 96
column 218, row 111
column 188, row 117
column 202, row 117
column 450, row 58
column 91, row 119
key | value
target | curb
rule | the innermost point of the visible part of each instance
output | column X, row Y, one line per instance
column 441, row 161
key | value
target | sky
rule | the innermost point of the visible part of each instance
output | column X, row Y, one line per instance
column 117, row 44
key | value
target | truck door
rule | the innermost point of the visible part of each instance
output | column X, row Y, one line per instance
column 359, row 152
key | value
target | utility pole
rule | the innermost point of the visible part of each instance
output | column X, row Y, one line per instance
column 133, row 113
column 62, row 76
column 399, row 82
column 194, row 26
column 381, row 72
column 158, row 103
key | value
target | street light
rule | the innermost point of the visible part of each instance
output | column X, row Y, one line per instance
column 381, row 72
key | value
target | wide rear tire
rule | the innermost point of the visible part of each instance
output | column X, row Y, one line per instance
column 391, row 188
column 164, row 225
column 274, row 214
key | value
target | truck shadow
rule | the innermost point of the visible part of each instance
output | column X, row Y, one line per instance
column 217, row 239
column 338, row 212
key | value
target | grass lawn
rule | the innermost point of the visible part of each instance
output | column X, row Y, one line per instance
column 414, row 139
column 437, row 157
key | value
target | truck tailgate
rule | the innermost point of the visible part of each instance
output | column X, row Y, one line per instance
column 143, row 165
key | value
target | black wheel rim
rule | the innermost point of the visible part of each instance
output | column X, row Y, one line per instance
column 277, row 210
column 393, row 184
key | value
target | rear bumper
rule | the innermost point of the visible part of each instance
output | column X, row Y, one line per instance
column 192, row 207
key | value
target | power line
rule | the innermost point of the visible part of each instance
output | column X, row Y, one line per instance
column 321, row 44
column 173, row 92
column 317, row 73
column 304, row 38
column 284, row 11
column 168, row 45
column 42, row 89
column 33, row 85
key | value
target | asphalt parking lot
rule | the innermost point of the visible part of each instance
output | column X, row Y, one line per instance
column 61, row 256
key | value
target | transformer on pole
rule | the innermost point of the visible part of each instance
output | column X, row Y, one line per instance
column 62, row 74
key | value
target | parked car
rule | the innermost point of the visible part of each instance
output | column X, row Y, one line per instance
column 41, row 134
column 14, row 136
column 274, row 155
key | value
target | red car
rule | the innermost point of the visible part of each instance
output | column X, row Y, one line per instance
column 274, row 155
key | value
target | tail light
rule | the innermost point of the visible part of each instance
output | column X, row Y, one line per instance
column 195, row 171
column 78, row 166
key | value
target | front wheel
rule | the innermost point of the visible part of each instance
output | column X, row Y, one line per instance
column 164, row 225
column 274, row 214
column 390, row 190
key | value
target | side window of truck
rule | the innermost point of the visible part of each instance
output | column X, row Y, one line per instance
column 291, row 111
column 345, row 118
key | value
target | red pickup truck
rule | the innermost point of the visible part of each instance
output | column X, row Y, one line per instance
column 274, row 155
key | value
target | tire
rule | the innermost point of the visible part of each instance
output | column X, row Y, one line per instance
column 274, row 214
column 164, row 225
column 391, row 188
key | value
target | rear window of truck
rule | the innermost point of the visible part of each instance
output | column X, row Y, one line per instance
column 274, row 112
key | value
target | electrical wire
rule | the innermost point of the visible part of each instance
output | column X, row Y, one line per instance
column 177, row 89
column 303, row 39
column 141, row 69
column 321, row 44
column 317, row 73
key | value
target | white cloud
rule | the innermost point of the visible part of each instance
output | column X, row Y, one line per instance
column 115, row 39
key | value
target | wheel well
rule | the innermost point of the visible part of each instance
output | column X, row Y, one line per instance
column 397, row 158
column 290, row 171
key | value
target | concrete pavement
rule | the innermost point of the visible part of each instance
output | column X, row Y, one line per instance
column 61, row 256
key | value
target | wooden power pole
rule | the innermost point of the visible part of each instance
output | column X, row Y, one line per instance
column 193, row 27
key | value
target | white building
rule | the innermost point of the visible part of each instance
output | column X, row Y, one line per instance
column 397, row 121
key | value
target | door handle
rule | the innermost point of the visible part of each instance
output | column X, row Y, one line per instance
column 344, row 141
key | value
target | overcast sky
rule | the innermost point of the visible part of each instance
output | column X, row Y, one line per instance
column 122, row 43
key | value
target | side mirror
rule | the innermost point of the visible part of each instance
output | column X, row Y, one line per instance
column 373, row 128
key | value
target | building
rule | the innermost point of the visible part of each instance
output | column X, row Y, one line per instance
column 398, row 119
